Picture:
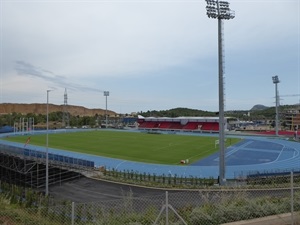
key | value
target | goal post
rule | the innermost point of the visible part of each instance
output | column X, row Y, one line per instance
column 217, row 142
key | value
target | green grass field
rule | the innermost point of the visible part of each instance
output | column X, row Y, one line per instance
column 142, row 147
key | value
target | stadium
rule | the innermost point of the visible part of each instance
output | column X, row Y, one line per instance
column 74, row 167
column 155, row 164
column 175, row 170
column 246, row 154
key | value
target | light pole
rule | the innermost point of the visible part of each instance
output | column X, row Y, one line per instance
column 220, row 10
column 106, row 93
column 47, row 163
column 276, row 82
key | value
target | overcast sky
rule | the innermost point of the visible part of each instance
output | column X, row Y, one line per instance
column 149, row 54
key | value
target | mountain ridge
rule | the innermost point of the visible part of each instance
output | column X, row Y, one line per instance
column 41, row 108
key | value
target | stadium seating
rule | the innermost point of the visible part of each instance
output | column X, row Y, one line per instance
column 149, row 124
column 210, row 126
column 165, row 125
column 203, row 126
column 192, row 126
column 180, row 123
column 176, row 125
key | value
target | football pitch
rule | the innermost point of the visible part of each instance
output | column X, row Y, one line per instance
column 133, row 146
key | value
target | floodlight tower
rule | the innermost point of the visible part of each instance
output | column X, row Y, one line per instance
column 106, row 94
column 47, row 155
column 220, row 10
column 66, row 120
column 276, row 82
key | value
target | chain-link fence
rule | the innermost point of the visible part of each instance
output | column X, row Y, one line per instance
column 262, row 201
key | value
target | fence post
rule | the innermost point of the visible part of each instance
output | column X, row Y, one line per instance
column 292, row 197
column 73, row 213
column 167, row 208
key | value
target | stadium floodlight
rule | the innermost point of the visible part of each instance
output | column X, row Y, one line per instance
column 47, row 155
column 276, row 82
column 220, row 10
column 106, row 93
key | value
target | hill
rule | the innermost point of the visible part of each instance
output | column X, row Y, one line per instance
column 258, row 107
column 36, row 108
column 177, row 112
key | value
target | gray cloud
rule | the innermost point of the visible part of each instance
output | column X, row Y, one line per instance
column 142, row 51
column 26, row 69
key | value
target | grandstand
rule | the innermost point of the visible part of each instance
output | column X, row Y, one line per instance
column 200, row 124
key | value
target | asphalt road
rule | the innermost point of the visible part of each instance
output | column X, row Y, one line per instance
column 84, row 190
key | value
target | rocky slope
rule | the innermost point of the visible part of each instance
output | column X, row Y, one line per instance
column 35, row 108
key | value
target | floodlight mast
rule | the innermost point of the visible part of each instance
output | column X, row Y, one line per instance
column 47, row 155
column 220, row 10
column 106, row 93
column 276, row 82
